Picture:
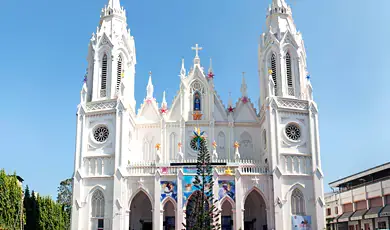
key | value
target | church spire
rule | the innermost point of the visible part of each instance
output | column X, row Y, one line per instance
column 150, row 87
column 278, row 3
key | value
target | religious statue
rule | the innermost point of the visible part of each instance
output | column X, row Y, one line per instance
column 197, row 102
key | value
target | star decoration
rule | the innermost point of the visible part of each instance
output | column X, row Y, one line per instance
column 236, row 145
column 158, row 146
column 230, row 109
column 163, row 110
column 210, row 75
column 308, row 77
column 228, row 171
column 123, row 74
column 255, row 180
column 270, row 71
column 141, row 182
column 179, row 145
column 85, row 79
column 244, row 100
column 149, row 100
column 214, row 144
column 197, row 116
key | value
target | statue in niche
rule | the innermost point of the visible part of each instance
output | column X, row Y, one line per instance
column 197, row 101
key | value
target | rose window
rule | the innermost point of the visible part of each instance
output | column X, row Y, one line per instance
column 101, row 134
column 293, row 132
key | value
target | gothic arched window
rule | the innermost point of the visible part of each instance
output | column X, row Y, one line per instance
column 103, row 84
column 297, row 202
column 97, row 204
column 289, row 75
column 197, row 101
column 274, row 73
column 119, row 72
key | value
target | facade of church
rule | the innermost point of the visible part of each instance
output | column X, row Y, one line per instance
column 123, row 177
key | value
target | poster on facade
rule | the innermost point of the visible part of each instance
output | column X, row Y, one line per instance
column 168, row 189
column 226, row 188
column 189, row 170
column 301, row 222
column 189, row 188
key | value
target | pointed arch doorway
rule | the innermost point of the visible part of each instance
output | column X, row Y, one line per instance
column 227, row 215
column 255, row 214
column 169, row 220
column 141, row 212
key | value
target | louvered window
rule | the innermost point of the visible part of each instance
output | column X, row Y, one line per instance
column 103, row 86
column 289, row 75
column 119, row 73
column 274, row 74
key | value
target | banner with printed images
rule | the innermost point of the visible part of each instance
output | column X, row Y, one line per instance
column 168, row 189
column 301, row 222
column 189, row 188
column 226, row 188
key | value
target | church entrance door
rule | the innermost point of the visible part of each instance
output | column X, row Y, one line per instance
column 141, row 212
column 169, row 216
column 226, row 216
column 255, row 215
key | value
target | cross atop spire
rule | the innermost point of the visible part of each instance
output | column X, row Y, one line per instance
column 197, row 48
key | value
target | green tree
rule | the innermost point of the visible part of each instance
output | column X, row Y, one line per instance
column 11, row 208
column 65, row 199
column 202, row 211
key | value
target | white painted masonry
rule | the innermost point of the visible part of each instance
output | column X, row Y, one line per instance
column 116, row 150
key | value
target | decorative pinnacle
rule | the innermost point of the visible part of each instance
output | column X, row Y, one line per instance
column 114, row 4
column 279, row 3
column 270, row 72
column 182, row 70
column 243, row 86
column 230, row 103
column 164, row 101
column 150, row 87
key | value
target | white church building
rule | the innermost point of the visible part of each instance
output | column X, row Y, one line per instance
column 269, row 167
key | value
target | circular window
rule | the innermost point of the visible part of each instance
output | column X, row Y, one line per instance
column 194, row 144
column 293, row 132
column 101, row 134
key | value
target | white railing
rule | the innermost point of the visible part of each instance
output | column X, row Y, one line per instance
column 244, row 166
column 98, row 166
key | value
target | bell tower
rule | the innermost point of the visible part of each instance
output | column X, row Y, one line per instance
column 111, row 57
column 290, row 131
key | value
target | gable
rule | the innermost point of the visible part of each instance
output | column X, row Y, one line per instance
column 174, row 113
column 149, row 113
column 245, row 113
column 219, row 110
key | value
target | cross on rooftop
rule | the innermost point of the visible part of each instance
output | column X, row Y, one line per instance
column 197, row 48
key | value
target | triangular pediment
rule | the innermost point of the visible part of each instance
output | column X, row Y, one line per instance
column 149, row 112
column 245, row 112
column 288, row 38
column 105, row 40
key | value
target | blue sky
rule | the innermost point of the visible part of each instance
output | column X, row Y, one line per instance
column 44, row 49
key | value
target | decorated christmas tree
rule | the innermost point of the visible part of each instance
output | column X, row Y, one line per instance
column 202, row 213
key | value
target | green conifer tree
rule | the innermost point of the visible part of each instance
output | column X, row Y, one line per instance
column 202, row 213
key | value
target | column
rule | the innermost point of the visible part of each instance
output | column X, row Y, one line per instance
column 234, row 218
column 161, row 219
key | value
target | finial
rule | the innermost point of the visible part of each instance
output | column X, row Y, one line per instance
column 243, row 86
column 114, row 4
column 183, row 70
column 211, row 75
column 150, row 87
column 230, row 103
